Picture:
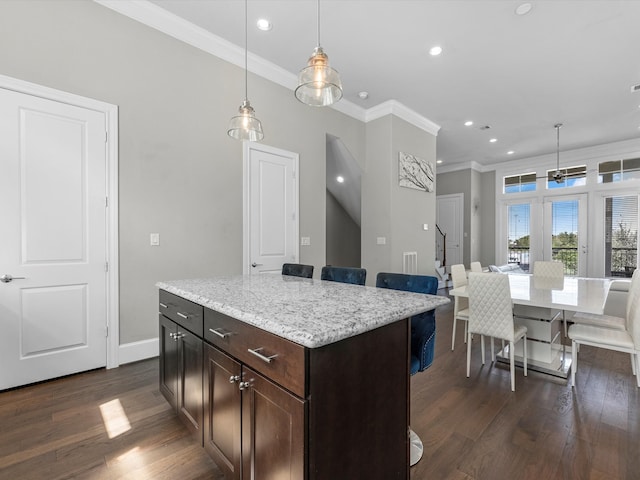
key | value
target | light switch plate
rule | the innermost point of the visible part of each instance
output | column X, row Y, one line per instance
column 305, row 240
column 154, row 239
column 381, row 240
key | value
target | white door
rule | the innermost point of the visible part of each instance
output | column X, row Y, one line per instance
column 271, row 208
column 52, row 239
column 449, row 220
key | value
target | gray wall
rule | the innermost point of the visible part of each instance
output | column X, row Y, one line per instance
column 389, row 210
column 180, row 174
column 488, row 218
column 479, row 211
column 343, row 236
column 459, row 182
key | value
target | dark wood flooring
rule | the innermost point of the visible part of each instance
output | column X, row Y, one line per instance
column 472, row 428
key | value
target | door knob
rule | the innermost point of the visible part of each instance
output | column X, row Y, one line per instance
column 254, row 264
column 6, row 278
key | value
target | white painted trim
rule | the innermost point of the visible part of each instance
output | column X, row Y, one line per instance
column 166, row 22
column 246, row 201
column 135, row 351
column 111, row 124
column 392, row 107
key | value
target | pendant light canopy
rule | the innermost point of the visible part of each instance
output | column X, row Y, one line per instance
column 245, row 126
column 318, row 84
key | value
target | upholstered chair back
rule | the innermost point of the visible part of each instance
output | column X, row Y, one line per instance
column 490, row 306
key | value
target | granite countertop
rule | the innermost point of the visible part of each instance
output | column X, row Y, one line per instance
column 309, row 312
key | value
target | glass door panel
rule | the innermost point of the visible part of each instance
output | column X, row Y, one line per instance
column 620, row 235
column 565, row 237
column 519, row 234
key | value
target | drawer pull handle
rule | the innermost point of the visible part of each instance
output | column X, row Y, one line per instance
column 163, row 305
column 186, row 317
column 220, row 334
column 257, row 353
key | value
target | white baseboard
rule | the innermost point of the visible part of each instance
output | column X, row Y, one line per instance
column 134, row 351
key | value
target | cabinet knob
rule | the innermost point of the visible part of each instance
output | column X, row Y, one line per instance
column 244, row 385
column 234, row 378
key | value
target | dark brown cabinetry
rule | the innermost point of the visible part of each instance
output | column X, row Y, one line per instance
column 273, row 409
column 181, row 353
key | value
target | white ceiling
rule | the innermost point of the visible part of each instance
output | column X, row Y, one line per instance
column 572, row 62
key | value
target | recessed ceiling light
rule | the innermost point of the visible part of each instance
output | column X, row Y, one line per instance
column 363, row 95
column 438, row 161
column 468, row 123
column 437, row 50
column 264, row 25
column 340, row 179
column 493, row 140
column 523, row 8
column 510, row 152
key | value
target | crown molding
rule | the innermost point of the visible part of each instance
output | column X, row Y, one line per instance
column 392, row 107
column 166, row 22
column 456, row 167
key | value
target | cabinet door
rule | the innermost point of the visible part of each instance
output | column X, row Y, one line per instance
column 222, row 401
column 190, row 381
column 273, row 441
column 168, row 361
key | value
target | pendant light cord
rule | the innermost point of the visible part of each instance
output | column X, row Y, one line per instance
column 558, row 125
column 246, row 42
column 318, row 16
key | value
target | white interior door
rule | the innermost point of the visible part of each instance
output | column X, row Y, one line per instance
column 271, row 208
column 52, row 239
column 449, row 219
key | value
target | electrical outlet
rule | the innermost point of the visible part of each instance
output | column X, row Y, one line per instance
column 305, row 241
column 381, row 240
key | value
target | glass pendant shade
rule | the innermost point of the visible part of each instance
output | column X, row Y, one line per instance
column 245, row 126
column 318, row 84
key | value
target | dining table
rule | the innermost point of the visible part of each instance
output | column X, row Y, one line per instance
column 542, row 305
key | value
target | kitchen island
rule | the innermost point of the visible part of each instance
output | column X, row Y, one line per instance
column 285, row 377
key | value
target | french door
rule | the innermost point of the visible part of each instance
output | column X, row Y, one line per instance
column 551, row 228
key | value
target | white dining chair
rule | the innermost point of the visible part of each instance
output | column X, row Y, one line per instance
column 491, row 314
column 551, row 269
column 460, row 304
column 476, row 267
column 626, row 339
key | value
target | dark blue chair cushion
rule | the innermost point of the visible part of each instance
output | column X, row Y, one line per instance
column 297, row 270
column 357, row 276
column 423, row 325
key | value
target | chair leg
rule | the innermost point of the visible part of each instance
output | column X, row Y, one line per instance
column 633, row 364
column 574, row 363
column 482, row 347
column 493, row 355
column 468, row 355
column 637, row 358
column 466, row 329
column 524, row 347
column 453, row 334
column 512, row 366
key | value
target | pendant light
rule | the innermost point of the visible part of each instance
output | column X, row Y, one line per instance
column 245, row 126
column 318, row 84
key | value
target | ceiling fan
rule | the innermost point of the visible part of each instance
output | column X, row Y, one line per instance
column 560, row 175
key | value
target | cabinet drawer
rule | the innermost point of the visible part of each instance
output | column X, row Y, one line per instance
column 275, row 357
column 185, row 313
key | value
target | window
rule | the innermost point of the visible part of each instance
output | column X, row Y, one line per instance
column 520, row 183
column 564, row 234
column 571, row 177
column 621, row 235
column 518, row 217
column 619, row 170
